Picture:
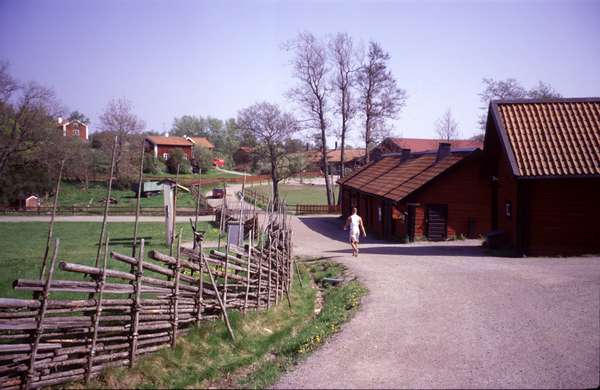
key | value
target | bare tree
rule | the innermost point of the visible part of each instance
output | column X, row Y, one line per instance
column 380, row 97
column 446, row 127
column 118, row 119
column 272, row 128
column 27, row 113
column 343, row 58
column 311, row 94
column 510, row 89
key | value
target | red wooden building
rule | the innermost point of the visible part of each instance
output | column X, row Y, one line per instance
column 163, row 146
column 435, row 194
column 74, row 128
column 395, row 145
column 544, row 159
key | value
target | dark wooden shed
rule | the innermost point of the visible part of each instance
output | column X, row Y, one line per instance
column 432, row 195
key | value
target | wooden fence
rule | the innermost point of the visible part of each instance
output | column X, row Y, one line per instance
column 121, row 315
column 79, row 210
column 317, row 209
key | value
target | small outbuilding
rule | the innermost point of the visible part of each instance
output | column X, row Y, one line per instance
column 435, row 194
column 544, row 161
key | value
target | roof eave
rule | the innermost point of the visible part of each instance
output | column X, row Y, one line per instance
column 503, row 135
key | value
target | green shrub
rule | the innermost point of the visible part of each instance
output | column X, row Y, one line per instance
column 177, row 158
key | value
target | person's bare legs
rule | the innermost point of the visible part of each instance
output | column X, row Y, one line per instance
column 354, row 248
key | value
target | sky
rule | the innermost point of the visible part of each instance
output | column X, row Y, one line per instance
column 174, row 58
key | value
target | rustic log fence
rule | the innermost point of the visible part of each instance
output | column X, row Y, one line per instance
column 99, row 210
column 317, row 209
column 122, row 315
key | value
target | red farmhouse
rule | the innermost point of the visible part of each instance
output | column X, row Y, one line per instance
column 74, row 128
column 435, row 194
column 544, row 158
column 162, row 146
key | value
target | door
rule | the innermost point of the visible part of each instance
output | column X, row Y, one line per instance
column 410, row 222
column 437, row 215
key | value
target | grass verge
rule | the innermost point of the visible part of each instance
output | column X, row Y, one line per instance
column 267, row 342
column 23, row 245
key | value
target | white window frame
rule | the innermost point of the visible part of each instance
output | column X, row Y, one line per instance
column 165, row 156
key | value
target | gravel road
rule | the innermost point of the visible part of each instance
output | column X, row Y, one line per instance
column 445, row 315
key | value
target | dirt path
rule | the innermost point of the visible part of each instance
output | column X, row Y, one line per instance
column 444, row 315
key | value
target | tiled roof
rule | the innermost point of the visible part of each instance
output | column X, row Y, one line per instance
column 394, row 179
column 246, row 149
column 558, row 137
column 202, row 141
column 169, row 141
column 422, row 144
column 349, row 154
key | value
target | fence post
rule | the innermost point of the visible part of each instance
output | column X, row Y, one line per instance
column 40, row 317
column 96, row 316
column 176, row 290
column 136, row 304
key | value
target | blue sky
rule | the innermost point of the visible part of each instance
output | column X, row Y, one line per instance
column 172, row 58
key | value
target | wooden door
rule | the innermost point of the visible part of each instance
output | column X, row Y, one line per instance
column 437, row 216
column 410, row 222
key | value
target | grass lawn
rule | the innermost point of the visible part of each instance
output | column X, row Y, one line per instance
column 299, row 194
column 267, row 342
column 23, row 244
column 74, row 194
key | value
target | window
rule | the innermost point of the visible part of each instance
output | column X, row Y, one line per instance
column 508, row 208
column 166, row 156
column 76, row 132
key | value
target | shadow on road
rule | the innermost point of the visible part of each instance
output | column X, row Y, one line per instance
column 332, row 228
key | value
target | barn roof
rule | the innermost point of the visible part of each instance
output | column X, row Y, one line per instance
column 549, row 137
column 168, row 141
column 202, row 141
column 394, row 178
column 423, row 144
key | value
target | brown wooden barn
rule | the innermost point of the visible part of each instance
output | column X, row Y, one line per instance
column 436, row 194
column 544, row 158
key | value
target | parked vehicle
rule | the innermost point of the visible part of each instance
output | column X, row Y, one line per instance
column 218, row 193
column 219, row 162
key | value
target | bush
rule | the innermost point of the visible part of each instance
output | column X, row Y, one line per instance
column 203, row 159
column 153, row 165
column 177, row 158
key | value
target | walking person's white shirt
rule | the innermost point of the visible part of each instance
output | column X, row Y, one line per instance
column 354, row 227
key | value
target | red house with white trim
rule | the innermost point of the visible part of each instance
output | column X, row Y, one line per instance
column 74, row 128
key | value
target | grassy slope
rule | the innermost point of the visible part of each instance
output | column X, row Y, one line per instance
column 267, row 343
column 23, row 243
column 298, row 194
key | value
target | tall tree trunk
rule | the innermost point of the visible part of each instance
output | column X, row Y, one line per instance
column 367, row 136
column 324, row 157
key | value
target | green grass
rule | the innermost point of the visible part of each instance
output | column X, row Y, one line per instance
column 267, row 343
column 211, row 174
column 74, row 194
column 23, row 244
column 299, row 194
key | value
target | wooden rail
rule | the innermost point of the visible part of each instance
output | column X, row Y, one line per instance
column 317, row 209
column 121, row 315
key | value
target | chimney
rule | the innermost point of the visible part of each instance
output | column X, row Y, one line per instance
column 405, row 154
column 167, row 134
column 60, row 120
column 307, row 146
column 443, row 151
column 335, row 146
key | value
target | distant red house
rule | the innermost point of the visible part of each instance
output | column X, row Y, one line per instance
column 162, row 146
column 544, row 161
column 432, row 195
column 74, row 128
column 395, row 145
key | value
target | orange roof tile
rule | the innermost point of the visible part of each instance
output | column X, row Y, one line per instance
column 170, row 141
column 202, row 141
column 394, row 179
column 558, row 137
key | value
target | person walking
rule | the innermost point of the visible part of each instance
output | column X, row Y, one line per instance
column 355, row 223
